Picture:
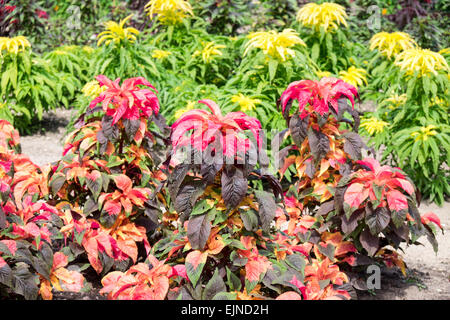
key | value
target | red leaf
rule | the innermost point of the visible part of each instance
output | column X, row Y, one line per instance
column 179, row 270
column 404, row 184
column 2, row 262
column 112, row 207
column 396, row 200
column 431, row 217
column 211, row 129
column 11, row 244
column 296, row 282
column 355, row 195
column 59, row 260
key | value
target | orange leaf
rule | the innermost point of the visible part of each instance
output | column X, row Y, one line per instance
column 123, row 182
column 215, row 243
column 110, row 281
column 287, row 163
column 255, row 267
column 128, row 246
column 45, row 290
column 91, row 247
column 324, row 165
column 159, row 288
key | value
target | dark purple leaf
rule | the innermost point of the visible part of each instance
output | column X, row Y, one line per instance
column 348, row 225
column 402, row 232
column 234, row 186
column 310, row 169
column 377, row 220
column 339, row 199
column 318, row 143
column 131, row 127
column 176, row 178
column 198, row 230
column 24, row 282
column 353, row 145
column 275, row 185
column 187, row 196
column 267, row 208
column 325, row 208
column 369, row 242
column 56, row 182
column 6, row 276
column 2, row 219
column 209, row 171
column 299, row 129
column 110, row 131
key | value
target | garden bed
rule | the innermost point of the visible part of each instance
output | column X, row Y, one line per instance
column 428, row 276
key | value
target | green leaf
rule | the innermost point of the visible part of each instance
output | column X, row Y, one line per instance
column 5, row 79
column 200, row 207
column 13, row 76
column 273, row 65
column 315, row 51
column 250, row 219
column 414, row 152
column 214, row 286
column 410, row 88
column 426, row 85
column 233, row 281
column 195, row 261
column 398, row 217
column 225, row 296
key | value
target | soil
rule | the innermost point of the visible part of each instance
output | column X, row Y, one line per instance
column 428, row 275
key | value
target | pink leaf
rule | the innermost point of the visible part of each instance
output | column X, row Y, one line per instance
column 396, row 200
column 355, row 195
